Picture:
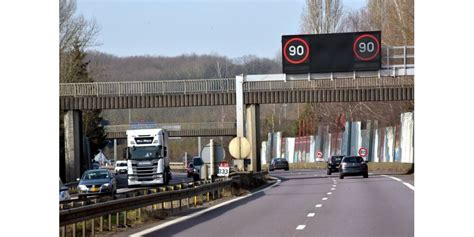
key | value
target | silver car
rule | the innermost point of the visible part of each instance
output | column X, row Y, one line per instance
column 63, row 191
column 97, row 181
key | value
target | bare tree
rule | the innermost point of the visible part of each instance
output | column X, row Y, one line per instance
column 75, row 28
column 322, row 16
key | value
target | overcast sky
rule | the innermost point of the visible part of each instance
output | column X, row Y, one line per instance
column 232, row 28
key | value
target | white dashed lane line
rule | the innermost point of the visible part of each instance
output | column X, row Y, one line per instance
column 334, row 185
column 329, row 193
column 401, row 181
column 300, row 227
column 319, row 205
column 325, row 198
column 311, row 214
column 333, row 188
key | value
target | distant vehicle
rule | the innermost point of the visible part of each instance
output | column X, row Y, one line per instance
column 333, row 164
column 197, row 164
column 190, row 170
column 63, row 191
column 353, row 166
column 97, row 181
column 121, row 167
column 278, row 163
column 147, row 155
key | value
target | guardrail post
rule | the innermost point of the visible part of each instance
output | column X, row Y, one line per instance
column 83, row 228
column 125, row 218
column 63, row 231
column 74, row 230
column 110, row 222
column 388, row 57
column 92, row 226
column 101, row 224
column 117, row 220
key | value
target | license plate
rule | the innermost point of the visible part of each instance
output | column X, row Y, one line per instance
column 94, row 189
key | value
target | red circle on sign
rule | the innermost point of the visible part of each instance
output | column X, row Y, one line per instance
column 361, row 37
column 363, row 152
column 319, row 154
column 301, row 60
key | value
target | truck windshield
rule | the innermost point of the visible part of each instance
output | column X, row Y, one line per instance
column 144, row 153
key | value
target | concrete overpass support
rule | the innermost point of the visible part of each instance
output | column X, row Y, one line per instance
column 252, row 125
column 72, row 146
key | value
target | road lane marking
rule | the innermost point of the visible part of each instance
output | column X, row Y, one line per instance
column 300, row 227
column 333, row 188
column 185, row 218
column 325, row 198
column 311, row 214
column 403, row 182
column 319, row 205
column 334, row 185
column 329, row 193
column 409, row 186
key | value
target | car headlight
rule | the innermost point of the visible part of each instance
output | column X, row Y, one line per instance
column 195, row 170
column 106, row 185
column 82, row 187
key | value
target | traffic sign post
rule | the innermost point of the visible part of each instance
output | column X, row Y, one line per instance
column 340, row 52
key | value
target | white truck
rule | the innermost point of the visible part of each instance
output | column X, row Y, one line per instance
column 147, row 157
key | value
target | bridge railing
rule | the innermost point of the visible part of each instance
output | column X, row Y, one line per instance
column 176, row 126
column 147, row 87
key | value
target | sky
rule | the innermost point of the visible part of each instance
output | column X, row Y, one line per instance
column 231, row 28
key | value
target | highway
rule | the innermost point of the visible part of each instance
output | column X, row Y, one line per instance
column 308, row 203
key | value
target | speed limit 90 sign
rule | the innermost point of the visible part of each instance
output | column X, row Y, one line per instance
column 339, row 52
column 366, row 47
column 296, row 51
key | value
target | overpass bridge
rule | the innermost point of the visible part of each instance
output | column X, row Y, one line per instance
column 394, row 82
column 211, row 129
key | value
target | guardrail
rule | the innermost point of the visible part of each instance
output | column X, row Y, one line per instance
column 393, row 58
column 147, row 200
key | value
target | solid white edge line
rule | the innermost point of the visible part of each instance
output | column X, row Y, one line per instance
column 409, row 186
column 184, row 218
column 401, row 181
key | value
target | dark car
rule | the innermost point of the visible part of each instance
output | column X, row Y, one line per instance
column 97, row 181
column 278, row 163
column 190, row 170
column 353, row 166
column 333, row 164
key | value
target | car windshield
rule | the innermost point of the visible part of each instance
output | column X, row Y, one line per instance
column 96, row 174
column 197, row 161
column 279, row 160
column 336, row 158
column 145, row 153
column 353, row 159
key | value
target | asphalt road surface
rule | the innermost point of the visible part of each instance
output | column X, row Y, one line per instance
column 307, row 203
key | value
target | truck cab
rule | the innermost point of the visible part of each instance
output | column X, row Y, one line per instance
column 147, row 157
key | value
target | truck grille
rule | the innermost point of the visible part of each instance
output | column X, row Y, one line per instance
column 144, row 172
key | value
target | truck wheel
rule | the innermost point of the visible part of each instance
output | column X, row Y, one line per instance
column 341, row 176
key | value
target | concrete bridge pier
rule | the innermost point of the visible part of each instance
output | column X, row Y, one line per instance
column 252, row 133
column 72, row 144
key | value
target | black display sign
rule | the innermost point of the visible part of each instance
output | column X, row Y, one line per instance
column 339, row 52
